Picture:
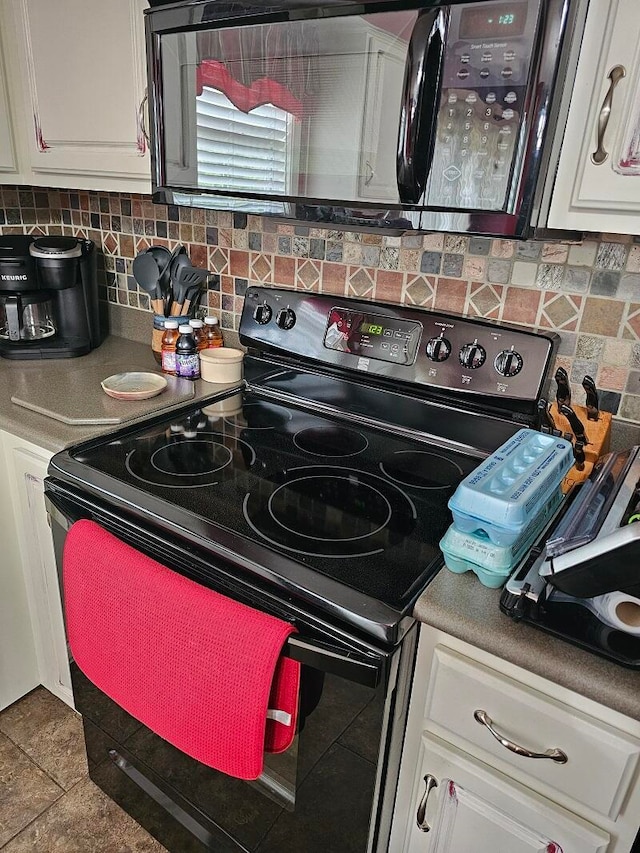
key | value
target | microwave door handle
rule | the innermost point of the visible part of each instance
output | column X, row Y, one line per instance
column 419, row 112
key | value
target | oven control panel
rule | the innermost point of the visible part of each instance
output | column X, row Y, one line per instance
column 426, row 348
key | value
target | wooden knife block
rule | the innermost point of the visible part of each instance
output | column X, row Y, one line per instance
column 598, row 435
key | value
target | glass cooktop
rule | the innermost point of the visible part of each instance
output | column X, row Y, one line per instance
column 362, row 506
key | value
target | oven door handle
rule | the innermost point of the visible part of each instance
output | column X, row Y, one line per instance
column 419, row 112
column 331, row 659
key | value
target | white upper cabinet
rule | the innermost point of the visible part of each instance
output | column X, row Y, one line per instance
column 80, row 77
column 598, row 181
column 8, row 159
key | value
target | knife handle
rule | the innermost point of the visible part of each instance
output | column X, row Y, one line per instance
column 578, row 455
column 546, row 422
column 575, row 423
column 592, row 404
column 563, row 392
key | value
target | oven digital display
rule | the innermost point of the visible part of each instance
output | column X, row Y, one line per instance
column 369, row 335
column 500, row 21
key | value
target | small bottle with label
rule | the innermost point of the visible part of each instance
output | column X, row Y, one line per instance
column 187, row 358
column 199, row 333
column 213, row 332
column 169, row 340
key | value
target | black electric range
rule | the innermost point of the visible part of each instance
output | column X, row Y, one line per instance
column 327, row 476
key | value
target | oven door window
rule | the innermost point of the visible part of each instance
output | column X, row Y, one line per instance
column 299, row 109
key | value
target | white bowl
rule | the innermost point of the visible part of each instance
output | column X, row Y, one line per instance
column 221, row 365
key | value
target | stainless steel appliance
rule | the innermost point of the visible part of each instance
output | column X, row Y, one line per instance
column 591, row 548
column 48, row 297
column 394, row 115
column 317, row 493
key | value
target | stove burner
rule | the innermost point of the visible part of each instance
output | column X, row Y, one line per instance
column 187, row 463
column 260, row 416
column 422, row 470
column 288, row 507
column 321, row 510
column 330, row 441
column 191, row 457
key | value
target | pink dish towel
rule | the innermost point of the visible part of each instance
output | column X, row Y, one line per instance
column 195, row 667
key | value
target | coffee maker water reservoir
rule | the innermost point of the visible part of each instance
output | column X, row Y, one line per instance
column 48, row 297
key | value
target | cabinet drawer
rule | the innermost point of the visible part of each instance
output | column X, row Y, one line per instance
column 601, row 761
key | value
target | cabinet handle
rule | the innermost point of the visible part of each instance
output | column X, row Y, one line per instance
column 421, row 815
column 615, row 75
column 484, row 719
column 142, row 116
column 370, row 173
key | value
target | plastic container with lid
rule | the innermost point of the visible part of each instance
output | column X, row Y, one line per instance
column 213, row 332
column 506, row 491
column 199, row 333
column 475, row 552
column 187, row 358
column 169, row 341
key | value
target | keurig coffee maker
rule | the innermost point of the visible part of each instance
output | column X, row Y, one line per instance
column 48, row 297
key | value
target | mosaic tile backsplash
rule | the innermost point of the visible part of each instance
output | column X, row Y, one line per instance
column 589, row 293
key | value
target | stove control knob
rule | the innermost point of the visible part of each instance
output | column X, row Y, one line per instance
column 438, row 349
column 263, row 313
column 508, row 362
column 286, row 318
column 472, row 355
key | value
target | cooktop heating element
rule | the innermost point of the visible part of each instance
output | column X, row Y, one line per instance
column 330, row 478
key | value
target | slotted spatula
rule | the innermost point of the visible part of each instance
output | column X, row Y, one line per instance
column 187, row 278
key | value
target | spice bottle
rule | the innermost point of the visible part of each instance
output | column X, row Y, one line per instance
column 199, row 333
column 169, row 340
column 187, row 358
column 213, row 332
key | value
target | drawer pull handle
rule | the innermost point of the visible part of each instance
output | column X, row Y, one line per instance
column 484, row 719
column 421, row 815
column 600, row 155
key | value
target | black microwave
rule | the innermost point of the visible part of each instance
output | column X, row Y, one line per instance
column 386, row 114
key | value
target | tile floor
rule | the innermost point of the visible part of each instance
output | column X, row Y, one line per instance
column 48, row 804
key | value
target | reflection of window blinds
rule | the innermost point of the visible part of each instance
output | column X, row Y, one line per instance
column 240, row 151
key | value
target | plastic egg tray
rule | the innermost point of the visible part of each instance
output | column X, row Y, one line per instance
column 475, row 552
column 501, row 496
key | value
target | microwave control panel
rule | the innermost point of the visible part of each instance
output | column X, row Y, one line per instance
column 487, row 65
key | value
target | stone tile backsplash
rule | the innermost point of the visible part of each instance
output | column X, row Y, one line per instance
column 589, row 293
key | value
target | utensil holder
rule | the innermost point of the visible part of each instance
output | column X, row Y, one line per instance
column 156, row 336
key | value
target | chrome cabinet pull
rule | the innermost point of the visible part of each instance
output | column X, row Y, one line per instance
column 370, row 173
column 142, row 116
column 615, row 75
column 421, row 815
column 484, row 719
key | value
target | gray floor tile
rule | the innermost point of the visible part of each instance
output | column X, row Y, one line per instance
column 50, row 733
column 25, row 791
column 84, row 820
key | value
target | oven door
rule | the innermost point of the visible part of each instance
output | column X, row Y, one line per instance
column 430, row 118
column 333, row 789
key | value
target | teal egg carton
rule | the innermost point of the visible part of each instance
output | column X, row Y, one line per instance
column 475, row 552
column 506, row 491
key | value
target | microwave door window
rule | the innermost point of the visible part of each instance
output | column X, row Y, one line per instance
column 301, row 109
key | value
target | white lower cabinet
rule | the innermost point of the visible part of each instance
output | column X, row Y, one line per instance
column 26, row 469
column 498, row 760
column 18, row 663
column 464, row 806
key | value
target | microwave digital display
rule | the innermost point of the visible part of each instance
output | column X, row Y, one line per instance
column 480, row 21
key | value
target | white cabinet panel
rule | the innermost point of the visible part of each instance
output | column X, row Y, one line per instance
column 8, row 162
column 27, row 466
column 601, row 191
column 473, row 808
column 82, row 77
column 18, row 664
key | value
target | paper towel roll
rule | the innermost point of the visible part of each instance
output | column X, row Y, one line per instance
column 618, row 610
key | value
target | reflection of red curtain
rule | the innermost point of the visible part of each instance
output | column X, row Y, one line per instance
column 246, row 98
column 266, row 60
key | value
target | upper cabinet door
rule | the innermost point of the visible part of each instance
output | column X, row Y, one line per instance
column 598, row 182
column 8, row 161
column 82, row 73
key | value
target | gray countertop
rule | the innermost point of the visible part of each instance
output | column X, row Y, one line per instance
column 115, row 355
column 462, row 607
